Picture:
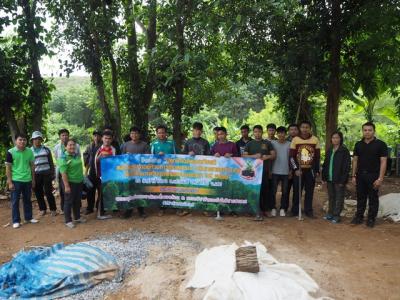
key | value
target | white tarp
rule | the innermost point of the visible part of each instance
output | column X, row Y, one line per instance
column 389, row 207
column 215, row 268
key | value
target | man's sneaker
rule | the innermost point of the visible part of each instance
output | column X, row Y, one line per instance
column 53, row 213
column 61, row 212
column 33, row 221
column 70, row 225
column 356, row 221
column 80, row 220
column 42, row 213
column 104, row 217
column 258, row 218
column 328, row 217
column 16, row 225
column 273, row 212
column 370, row 223
column 335, row 220
column 282, row 213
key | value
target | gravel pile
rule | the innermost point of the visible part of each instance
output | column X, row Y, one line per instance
column 130, row 249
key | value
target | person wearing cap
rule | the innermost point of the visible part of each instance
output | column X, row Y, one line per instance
column 90, row 170
column 20, row 171
column 59, row 152
column 44, row 174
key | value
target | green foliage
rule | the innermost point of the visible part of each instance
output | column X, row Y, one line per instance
column 56, row 122
column 73, row 98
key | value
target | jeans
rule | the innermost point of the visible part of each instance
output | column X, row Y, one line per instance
column 308, row 184
column 290, row 185
column 365, row 190
column 72, row 202
column 43, row 186
column 283, row 179
column 24, row 188
column 336, row 198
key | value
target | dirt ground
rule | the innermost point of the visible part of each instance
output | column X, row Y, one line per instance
column 347, row 262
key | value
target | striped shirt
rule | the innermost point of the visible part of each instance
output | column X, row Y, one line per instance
column 43, row 160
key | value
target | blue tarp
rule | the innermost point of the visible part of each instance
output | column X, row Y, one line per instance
column 57, row 271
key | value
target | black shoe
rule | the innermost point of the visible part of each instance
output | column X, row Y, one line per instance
column 370, row 223
column 356, row 221
column 88, row 212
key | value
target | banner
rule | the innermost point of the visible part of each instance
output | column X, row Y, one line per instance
column 181, row 181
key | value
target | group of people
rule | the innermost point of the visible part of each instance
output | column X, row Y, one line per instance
column 291, row 159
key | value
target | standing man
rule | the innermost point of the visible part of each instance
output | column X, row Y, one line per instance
column 241, row 144
column 162, row 145
column 20, row 171
column 59, row 152
column 196, row 145
column 271, row 130
column 293, row 131
column 280, row 171
column 106, row 149
column 90, row 171
column 223, row 147
column 262, row 149
column 305, row 152
column 369, row 167
column 215, row 132
column 135, row 146
column 44, row 174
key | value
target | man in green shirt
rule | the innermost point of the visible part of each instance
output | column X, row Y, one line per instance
column 261, row 149
column 20, row 170
column 71, row 170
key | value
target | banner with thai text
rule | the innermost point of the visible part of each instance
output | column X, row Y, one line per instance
column 181, row 181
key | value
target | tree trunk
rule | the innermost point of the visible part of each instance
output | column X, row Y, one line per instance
column 140, row 100
column 98, row 82
column 39, row 88
column 180, row 82
column 151, row 72
column 114, row 80
column 11, row 121
column 332, row 105
column 114, row 86
column 133, row 66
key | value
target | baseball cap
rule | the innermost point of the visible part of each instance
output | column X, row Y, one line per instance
column 36, row 134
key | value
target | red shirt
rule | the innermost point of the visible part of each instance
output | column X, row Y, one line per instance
column 102, row 152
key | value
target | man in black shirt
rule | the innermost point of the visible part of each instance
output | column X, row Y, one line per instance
column 241, row 144
column 90, row 170
column 369, row 167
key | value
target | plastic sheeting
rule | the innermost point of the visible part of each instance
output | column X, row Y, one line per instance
column 57, row 271
column 215, row 268
column 389, row 207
